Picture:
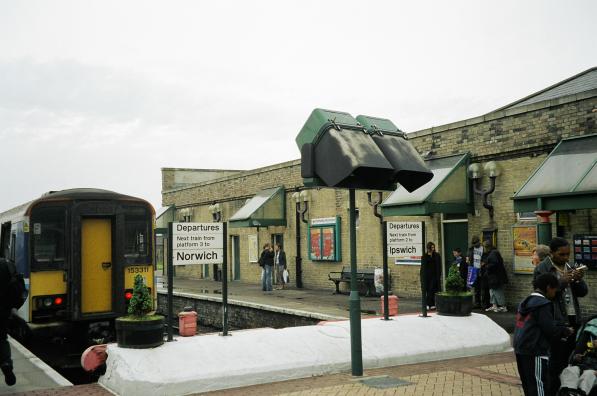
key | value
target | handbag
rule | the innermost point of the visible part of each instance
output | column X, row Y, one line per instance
column 285, row 276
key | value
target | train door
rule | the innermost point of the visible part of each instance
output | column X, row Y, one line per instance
column 96, row 265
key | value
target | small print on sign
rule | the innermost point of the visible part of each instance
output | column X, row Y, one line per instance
column 197, row 243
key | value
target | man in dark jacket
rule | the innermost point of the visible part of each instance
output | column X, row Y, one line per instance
column 567, row 310
column 5, row 311
column 267, row 263
column 496, row 277
column 536, row 330
column 431, row 274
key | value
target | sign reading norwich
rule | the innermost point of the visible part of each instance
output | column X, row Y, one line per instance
column 405, row 241
column 197, row 243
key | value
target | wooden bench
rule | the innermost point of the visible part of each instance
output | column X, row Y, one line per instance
column 365, row 280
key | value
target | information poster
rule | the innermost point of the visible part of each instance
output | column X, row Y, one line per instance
column 524, row 240
column 405, row 241
column 315, row 244
column 324, row 243
column 585, row 250
column 253, row 248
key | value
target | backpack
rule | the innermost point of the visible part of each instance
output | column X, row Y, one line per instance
column 16, row 292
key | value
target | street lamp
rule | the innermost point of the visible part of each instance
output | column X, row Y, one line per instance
column 476, row 172
column 301, row 200
column 216, row 212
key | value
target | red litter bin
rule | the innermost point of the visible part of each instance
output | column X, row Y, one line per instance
column 187, row 323
column 392, row 305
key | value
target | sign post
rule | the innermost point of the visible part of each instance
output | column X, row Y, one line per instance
column 406, row 243
column 191, row 244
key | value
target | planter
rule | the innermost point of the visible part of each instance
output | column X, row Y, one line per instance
column 140, row 333
column 454, row 305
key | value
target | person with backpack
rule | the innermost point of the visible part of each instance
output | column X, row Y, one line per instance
column 535, row 332
column 7, row 275
column 496, row 277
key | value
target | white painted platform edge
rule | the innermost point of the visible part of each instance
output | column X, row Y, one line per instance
column 272, row 308
column 40, row 364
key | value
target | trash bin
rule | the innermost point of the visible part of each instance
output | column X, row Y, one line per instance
column 187, row 322
column 392, row 305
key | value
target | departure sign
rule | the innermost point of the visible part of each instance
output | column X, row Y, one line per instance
column 197, row 243
column 405, row 241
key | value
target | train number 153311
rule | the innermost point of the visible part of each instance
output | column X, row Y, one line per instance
column 137, row 270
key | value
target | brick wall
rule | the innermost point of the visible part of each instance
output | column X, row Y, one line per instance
column 517, row 139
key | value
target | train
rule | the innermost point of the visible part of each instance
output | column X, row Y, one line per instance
column 79, row 251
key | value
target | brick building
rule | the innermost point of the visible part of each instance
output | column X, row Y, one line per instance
column 519, row 137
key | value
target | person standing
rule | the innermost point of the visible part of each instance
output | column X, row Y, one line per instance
column 431, row 273
column 473, row 258
column 496, row 277
column 280, row 261
column 462, row 266
column 540, row 252
column 534, row 334
column 267, row 262
column 5, row 312
column 566, row 307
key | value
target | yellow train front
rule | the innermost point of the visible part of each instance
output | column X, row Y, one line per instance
column 79, row 250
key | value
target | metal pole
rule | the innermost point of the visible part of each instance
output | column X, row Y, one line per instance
column 298, row 263
column 225, row 281
column 170, row 269
column 423, row 279
column 355, row 302
column 386, row 281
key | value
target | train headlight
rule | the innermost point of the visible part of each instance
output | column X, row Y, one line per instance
column 58, row 301
column 47, row 302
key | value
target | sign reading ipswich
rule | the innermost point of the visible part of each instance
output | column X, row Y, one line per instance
column 405, row 241
column 197, row 243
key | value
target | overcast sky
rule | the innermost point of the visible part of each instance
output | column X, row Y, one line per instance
column 105, row 93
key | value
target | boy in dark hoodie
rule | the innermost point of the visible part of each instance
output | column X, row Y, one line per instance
column 535, row 329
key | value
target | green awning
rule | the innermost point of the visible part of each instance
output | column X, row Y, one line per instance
column 447, row 192
column 266, row 208
column 566, row 180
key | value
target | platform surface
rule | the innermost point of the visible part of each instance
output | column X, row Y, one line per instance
column 249, row 357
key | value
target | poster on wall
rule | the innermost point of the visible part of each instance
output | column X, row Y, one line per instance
column 524, row 240
column 405, row 241
column 324, row 242
column 253, row 248
column 585, row 250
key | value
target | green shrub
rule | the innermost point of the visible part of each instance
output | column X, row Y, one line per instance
column 454, row 282
column 141, row 303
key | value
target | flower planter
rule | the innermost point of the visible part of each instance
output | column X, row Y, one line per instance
column 140, row 333
column 454, row 305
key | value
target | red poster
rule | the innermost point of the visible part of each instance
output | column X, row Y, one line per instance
column 328, row 244
column 315, row 244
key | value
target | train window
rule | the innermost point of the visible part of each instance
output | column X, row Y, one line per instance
column 13, row 247
column 48, row 237
column 137, row 234
column 4, row 239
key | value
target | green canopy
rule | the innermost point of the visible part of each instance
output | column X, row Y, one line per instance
column 566, row 180
column 266, row 208
column 447, row 192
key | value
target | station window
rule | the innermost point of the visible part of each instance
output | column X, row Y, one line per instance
column 526, row 216
column 137, row 234
column 48, row 237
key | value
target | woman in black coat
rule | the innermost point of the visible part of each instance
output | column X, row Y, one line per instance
column 431, row 274
column 496, row 278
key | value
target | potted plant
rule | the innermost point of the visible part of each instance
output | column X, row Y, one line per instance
column 140, row 329
column 454, row 301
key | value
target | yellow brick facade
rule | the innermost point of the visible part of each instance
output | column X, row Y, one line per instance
column 517, row 139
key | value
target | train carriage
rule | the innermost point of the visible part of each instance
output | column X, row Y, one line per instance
column 79, row 250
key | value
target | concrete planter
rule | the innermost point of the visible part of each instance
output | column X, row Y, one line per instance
column 140, row 334
column 454, row 305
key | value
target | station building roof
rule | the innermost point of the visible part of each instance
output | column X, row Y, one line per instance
column 266, row 208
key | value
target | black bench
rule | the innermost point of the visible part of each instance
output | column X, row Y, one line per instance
column 365, row 280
